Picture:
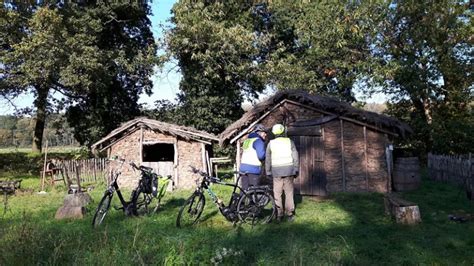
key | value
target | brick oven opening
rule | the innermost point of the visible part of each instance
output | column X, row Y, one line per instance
column 158, row 152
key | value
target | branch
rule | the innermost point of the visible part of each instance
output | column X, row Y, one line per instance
column 59, row 88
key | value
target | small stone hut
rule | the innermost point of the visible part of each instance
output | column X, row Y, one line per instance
column 341, row 148
column 169, row 149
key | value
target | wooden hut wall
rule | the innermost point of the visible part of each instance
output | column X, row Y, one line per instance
column 188, row 153
column 127, row 148
column 354, row 157
column 333, row 156
column 376, row 162
column 355, row 162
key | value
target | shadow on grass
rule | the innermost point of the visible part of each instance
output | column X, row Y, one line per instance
column 344, row 229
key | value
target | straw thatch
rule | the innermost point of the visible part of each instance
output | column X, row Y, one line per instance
column 186, row 133
column 326, row 104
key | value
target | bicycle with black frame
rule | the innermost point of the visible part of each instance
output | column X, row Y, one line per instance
column 254, row 205
column 141, row 197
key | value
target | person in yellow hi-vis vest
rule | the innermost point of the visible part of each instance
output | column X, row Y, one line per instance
column 282, row 164
column 253, row 153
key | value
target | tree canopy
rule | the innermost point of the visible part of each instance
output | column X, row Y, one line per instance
column 98, row 56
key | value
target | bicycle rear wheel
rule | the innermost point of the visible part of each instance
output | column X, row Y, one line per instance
column 190, row 212
column 140, row 202
column 102, row 209
column 256, row 207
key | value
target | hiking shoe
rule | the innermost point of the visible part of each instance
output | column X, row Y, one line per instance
column 291, row 218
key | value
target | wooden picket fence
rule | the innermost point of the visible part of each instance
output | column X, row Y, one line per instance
column 453, row 169
column 88, row 170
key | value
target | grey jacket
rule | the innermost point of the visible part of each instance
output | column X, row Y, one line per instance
column 282, row 170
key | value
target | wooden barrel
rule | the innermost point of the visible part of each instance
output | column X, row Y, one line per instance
column 406, row 174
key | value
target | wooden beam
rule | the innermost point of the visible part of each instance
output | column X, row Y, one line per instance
column 237, row 160
column 344, row 118
column 176, row 163
column 203, row 158
column 140, row 146
column 113, row 134
column 365, row 157
column 119, row 139
column 342, row 157
column 245, row 131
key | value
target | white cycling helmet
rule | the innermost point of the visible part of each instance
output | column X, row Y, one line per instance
column 278, row 129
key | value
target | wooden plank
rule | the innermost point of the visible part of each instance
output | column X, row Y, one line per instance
column 247, row 130
column 297, row 181
column 306, row 144
column 342, row 157
column 203, row 159
column 238, row 154
column 140, row 145
column 304, row 131
column 366, row 160
column 344, row 118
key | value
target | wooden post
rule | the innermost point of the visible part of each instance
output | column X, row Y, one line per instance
column 44, row 164
column 140, row 146
column 237, row 160
column 365, row 157
column 176, row 157
column 342, row 157
column 203, row 158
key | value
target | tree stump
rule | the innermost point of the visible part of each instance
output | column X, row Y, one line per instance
column 73, row 206
column 405, row 212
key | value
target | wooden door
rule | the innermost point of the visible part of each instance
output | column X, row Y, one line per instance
column 161, row 168
column 311, row 179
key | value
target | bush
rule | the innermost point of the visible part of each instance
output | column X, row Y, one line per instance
column 32, row 163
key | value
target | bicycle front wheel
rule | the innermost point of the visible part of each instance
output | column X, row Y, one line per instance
column 102, row 209
column 191, row 210
column 256, row 207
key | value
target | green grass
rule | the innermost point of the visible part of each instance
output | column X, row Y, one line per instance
column 344, row 229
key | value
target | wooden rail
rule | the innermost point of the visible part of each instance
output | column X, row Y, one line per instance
column 88, row 170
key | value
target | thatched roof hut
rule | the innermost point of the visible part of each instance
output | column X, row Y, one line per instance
column 342, row 148
column 169, row 149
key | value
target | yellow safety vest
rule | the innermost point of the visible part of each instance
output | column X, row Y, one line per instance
column 249, row 154
column 281, row 152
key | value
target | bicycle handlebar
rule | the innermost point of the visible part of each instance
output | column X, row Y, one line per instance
column 131, row 163
column 207, row 177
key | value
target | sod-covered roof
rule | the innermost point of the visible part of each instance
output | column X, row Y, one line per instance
column 127, row 128
column 326, row 104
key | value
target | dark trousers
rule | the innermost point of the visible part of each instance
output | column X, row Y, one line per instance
column 249, row 180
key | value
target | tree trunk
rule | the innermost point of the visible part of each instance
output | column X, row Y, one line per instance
column 40, row 103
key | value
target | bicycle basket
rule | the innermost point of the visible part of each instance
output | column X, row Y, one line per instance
column 150, row 183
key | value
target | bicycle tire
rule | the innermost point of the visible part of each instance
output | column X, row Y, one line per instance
column 102, row 209
column 256, row 207
column 140, row 202
column 193, row 207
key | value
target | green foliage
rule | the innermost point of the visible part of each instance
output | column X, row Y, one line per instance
column 343, row 229
column 98, row 56
column 230, row 50
column 216, row 48
column 321, row 46
column 16, row 131
column 117, row 43
column 31, row 163
column 428, row 71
